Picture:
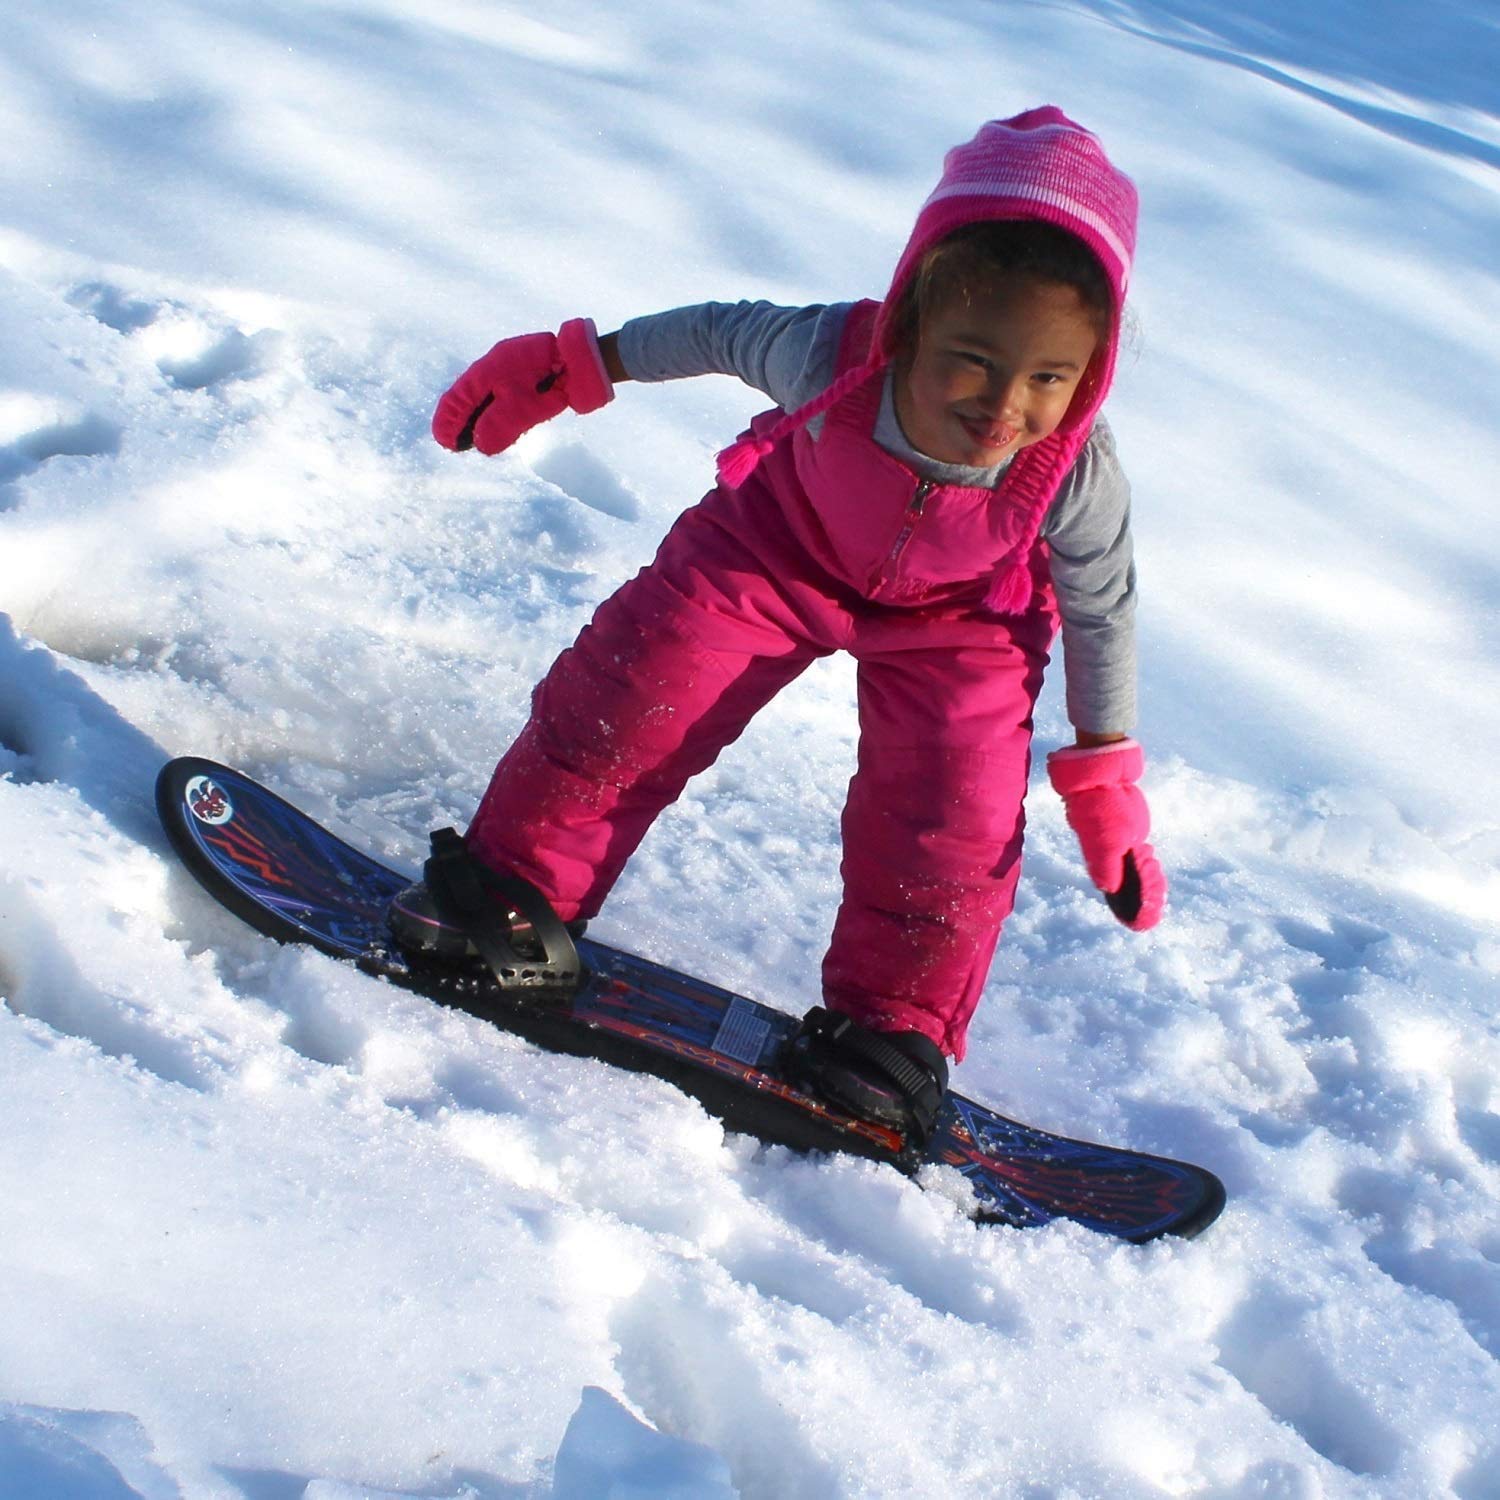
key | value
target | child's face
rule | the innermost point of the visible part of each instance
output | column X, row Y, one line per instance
column 994, row 374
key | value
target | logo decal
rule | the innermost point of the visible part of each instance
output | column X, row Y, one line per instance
column 208, row 802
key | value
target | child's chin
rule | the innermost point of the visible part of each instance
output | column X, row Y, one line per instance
column 976, row 457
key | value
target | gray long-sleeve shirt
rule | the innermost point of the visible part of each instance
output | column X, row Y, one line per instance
column 790, row 353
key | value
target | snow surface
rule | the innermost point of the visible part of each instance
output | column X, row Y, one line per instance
column 274, row 1230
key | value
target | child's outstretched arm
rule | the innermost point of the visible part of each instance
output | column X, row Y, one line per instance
column 785, row 352
column 609, row 348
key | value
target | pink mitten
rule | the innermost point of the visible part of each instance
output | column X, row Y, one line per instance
column 1106, row 810
column 521, row 382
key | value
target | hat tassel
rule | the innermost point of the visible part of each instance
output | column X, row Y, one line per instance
column 738, row 461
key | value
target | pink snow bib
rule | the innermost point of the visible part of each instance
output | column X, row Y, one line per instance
column 871, row 521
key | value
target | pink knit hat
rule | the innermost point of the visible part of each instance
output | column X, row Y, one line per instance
column 1041, row 166
column 1038, row 165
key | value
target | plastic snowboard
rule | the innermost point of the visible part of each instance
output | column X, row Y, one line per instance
column 295, row 881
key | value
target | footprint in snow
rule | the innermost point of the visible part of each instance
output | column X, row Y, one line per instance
column 574, row 470
column 1343, row 952
column 88, row 436
column 193, row 353
column 1479, row 1129
column 232, row 356
column 114, row 308
column 1270, row 1345
column 1344, row 945
column 319, row 1034
column 1392, row 1208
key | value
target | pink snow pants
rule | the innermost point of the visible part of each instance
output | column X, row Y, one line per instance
column 671, row 669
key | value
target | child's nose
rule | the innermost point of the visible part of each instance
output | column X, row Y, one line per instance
column 1003, row 396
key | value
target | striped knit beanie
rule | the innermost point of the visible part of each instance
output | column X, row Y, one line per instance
column 1038, row 165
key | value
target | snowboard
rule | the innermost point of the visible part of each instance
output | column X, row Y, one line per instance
column 295, row 881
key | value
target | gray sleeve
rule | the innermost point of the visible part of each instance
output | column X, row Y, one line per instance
column 787, row 352
column 1088, row 533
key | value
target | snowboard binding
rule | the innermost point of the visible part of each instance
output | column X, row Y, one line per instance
column 462, row 911
column 897, row 1079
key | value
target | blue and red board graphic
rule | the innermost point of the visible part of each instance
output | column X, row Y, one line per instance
column 294, row 880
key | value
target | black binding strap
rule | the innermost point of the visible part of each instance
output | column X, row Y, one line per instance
column 915, row 1083
column 465, row 893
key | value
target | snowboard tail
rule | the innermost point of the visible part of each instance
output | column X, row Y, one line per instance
column 294, row 880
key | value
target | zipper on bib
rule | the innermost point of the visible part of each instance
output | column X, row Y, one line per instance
column 913, row 514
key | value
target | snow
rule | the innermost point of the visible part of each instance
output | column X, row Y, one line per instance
column 274, row 1231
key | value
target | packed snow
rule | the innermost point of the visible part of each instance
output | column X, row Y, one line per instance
column 275, row 1231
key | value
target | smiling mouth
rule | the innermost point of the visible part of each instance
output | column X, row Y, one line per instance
column 989, row 434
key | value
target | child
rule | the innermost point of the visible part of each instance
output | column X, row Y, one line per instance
column 935, row 491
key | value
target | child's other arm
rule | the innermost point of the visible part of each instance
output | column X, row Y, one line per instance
column 1093, row 571
column 785, row 352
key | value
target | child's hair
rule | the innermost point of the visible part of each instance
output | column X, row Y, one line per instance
column 978, row 254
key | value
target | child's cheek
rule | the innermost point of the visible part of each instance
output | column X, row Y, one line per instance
column 952, row 383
